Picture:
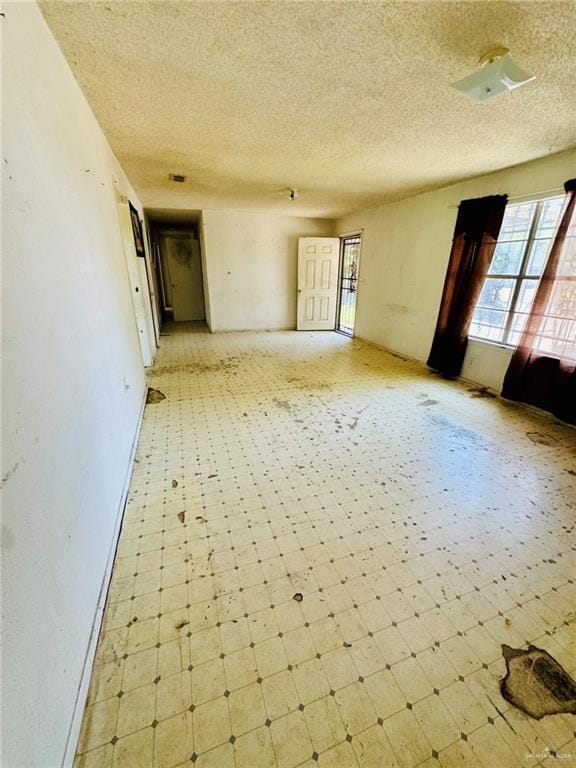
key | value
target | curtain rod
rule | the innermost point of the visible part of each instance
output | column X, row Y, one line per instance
column 546, row 193
column 531, row 196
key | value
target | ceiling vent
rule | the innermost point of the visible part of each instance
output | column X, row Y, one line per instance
column 498, row 74
column 178, row 177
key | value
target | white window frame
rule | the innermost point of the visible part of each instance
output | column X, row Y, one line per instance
column 521, row 276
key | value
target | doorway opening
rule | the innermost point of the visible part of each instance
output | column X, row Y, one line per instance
column 178, row 266
column 348, row 285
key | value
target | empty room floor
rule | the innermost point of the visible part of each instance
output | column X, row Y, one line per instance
column 324, row 549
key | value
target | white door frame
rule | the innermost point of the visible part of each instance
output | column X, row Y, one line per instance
column 138, row 282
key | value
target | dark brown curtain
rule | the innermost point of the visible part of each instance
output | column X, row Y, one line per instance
column 542, row 371
column 477, row 228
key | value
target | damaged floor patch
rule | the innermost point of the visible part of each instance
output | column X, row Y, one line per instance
column 536, row 683
column 541, row 438
column 154, row 396
column 481, row 392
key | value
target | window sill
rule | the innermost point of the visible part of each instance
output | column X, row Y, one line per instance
column 496, row 344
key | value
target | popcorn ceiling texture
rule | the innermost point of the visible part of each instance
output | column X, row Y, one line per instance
column 350, row 102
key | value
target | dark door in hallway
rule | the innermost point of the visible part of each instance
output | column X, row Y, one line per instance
column 183, row 275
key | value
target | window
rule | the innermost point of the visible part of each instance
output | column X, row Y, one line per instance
column 519, row 258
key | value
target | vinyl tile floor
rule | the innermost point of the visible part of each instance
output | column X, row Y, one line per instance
column 324, row 548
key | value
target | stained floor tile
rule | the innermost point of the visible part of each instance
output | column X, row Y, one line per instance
column 313, row 571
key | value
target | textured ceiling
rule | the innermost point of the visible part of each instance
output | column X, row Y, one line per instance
column 348, row 101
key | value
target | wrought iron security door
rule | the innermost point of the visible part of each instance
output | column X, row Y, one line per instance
column 348, row 284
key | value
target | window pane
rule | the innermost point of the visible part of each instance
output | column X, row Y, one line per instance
column 526, row 295
column 517, row 222
column 557, row 335
column 537, row 259
column 488, row 324
column 496, row 293
column 549, row 214
column 567, row 264
column 569, row 352
column 553, row 335
column 562, row 302
column 516, row 327
column 547, row 222
column 507, row 258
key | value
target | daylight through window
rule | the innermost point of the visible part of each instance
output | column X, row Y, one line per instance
column 519, row 258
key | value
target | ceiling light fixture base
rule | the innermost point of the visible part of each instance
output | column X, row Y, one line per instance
column 493, row 54
column 498, row 74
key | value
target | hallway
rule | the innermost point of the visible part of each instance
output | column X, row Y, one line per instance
column 323, row 550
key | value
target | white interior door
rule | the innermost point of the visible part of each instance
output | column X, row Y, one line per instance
column 318, row 261
column 185, row 271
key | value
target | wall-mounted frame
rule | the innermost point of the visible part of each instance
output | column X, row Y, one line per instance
column 137, row 230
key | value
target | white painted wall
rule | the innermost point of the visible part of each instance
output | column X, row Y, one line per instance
column 73, row 387
column 251, row 263
column 405, row 251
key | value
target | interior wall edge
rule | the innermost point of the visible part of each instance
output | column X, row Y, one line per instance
column 205, row 277
column 84, row 683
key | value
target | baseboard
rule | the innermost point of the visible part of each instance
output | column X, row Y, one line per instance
column 470, row 382
column 391, row 351
column 82, row 692
column 271, row 329
column 423, row 365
